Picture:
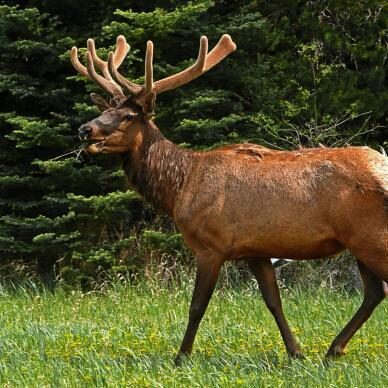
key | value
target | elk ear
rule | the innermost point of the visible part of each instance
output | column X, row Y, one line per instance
column 100, row 102
column 148, row 103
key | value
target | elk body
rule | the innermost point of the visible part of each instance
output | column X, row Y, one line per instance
column 245, row 201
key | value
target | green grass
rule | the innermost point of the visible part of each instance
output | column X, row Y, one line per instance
column 128, row 336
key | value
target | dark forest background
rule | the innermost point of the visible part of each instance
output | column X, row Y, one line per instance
column 305, row 73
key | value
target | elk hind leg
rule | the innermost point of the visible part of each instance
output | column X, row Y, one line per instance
column 373, row 294
column 266, row 279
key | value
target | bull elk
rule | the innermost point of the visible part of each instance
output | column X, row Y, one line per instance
column 244, row 201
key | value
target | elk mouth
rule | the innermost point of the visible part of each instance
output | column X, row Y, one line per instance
column 95, row 147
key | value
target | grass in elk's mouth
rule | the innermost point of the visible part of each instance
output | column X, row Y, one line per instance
column 95, row 147
column 98, row 144
column 77, row 152
column 129, row 335
column 83, row 148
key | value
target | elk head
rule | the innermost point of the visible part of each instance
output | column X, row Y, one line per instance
column 120, row 125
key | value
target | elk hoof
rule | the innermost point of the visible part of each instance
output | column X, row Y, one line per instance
column 179, row 359
column 335, row 352
column 297, row 355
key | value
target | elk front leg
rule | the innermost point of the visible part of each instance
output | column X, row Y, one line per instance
column 207, row 274
column 374, row 293
column 265, row 276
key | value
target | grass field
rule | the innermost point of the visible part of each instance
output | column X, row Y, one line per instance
column 128, row 336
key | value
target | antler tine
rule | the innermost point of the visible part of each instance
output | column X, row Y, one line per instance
column 89, row 71
column 187, row 75
column 110, row 86
column 102, row 65
column 76, row 63
column 114, row 61
column 203, row 49
column 204, row 62
column 121, row 51
column 224, row 47
column 149, row 73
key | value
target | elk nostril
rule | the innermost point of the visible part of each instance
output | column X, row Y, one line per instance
column 84, row 131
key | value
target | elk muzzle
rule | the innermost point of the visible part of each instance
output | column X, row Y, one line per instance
column 84, row 131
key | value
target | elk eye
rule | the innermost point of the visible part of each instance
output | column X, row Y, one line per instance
column 128, row 117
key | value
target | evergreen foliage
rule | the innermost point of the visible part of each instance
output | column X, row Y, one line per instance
column 304, row 73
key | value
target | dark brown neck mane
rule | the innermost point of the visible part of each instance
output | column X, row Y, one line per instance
column 158, row 168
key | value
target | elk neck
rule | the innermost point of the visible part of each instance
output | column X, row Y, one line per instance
column 156, row 168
